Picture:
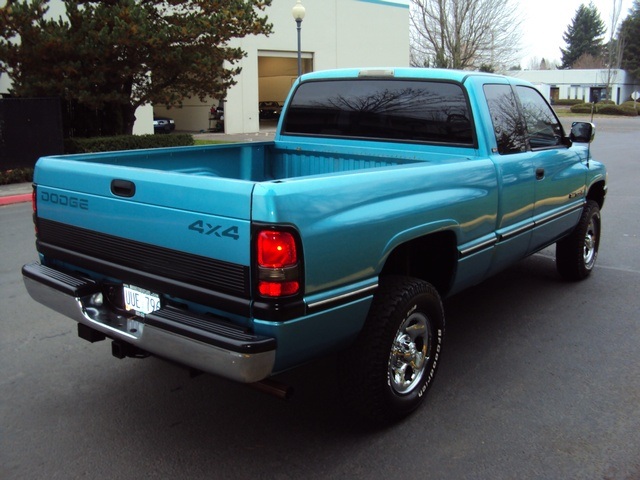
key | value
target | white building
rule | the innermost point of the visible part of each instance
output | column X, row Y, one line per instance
column 334, row 34
column 586, row 85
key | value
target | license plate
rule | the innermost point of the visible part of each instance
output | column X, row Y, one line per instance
column 140, row 300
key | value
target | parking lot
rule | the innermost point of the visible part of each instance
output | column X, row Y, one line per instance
column 540, row 379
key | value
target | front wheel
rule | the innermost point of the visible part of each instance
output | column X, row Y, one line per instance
column 576, row 254
column 388, row 371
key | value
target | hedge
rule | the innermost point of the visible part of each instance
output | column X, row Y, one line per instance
column 17, row 175
column 126, row 142
column 582, row 108
column 617, row 110
column 567, row 101
column 606, row 108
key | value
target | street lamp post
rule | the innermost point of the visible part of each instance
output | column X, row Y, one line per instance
column 298, row 15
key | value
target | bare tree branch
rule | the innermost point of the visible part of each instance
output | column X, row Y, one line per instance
column 464, row 34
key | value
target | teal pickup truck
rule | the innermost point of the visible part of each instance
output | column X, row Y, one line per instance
column 383, row 191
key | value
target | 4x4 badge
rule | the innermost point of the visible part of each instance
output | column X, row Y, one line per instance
column 205, row 228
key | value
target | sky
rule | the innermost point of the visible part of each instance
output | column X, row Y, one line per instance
column 545, row 21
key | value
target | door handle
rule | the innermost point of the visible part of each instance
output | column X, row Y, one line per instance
column 539, row 173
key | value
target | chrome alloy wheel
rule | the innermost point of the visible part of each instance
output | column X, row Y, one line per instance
column 409, row 353
column 590, row 251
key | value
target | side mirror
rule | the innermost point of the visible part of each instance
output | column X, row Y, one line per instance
column 582, row 132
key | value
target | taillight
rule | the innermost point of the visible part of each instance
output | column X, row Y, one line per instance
column 278, row 264
column 34, row 206
column 34, row 196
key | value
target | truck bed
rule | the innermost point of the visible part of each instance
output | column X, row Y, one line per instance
column 255, row 162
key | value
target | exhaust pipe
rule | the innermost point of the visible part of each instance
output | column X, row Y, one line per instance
column 273, row 387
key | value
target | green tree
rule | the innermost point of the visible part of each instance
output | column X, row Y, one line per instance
column 630, row 38
column 116, row 55
column 583, row 36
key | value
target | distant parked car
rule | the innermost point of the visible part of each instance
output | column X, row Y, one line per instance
column 269, row 109
column 163, row 125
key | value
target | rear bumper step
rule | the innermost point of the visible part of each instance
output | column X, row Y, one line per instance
column 199, row 341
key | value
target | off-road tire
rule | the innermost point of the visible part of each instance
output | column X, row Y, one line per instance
column 387, row 372
column 576, row 254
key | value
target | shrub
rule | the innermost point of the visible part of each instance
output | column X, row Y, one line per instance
column 582, row 108
column 17, row 175
column 613, row 109
column 126, row 142
column 607, row 108
column 568, row 101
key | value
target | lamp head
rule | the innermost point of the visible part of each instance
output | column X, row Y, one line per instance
column 298, row 11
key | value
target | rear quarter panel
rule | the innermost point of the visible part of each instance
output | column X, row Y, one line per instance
column 349, row 223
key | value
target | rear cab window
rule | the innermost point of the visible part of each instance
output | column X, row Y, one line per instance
column 382, row 109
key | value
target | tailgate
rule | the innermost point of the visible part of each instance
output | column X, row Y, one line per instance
column 163, row 230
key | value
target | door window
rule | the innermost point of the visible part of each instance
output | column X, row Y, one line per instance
column 542, row 125
column 507, row 125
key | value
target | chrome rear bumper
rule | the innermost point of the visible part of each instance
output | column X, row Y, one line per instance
column 202, row 342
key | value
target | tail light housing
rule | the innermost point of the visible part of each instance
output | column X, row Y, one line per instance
column 279, row 263
column 34, row 206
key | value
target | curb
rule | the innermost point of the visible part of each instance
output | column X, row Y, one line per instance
column 10, row 199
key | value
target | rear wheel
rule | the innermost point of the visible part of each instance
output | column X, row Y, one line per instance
column 576, row 254
column 388, row 371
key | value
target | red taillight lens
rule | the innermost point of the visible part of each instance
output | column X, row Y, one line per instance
column 276, row 249
column 278, row 269
column 278, row 289
column 34, row 205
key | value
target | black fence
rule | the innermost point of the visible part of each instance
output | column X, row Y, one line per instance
column 79, row 121
column 29, row 128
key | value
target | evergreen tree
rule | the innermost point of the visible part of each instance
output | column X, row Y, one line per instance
column 630, row 38
column 113, row 56
column 583, row 36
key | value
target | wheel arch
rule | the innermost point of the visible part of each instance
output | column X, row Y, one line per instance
column 431, row 257
column 597, row 192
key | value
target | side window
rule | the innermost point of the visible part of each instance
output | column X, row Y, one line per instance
column 542, row 125
column 507, row 125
